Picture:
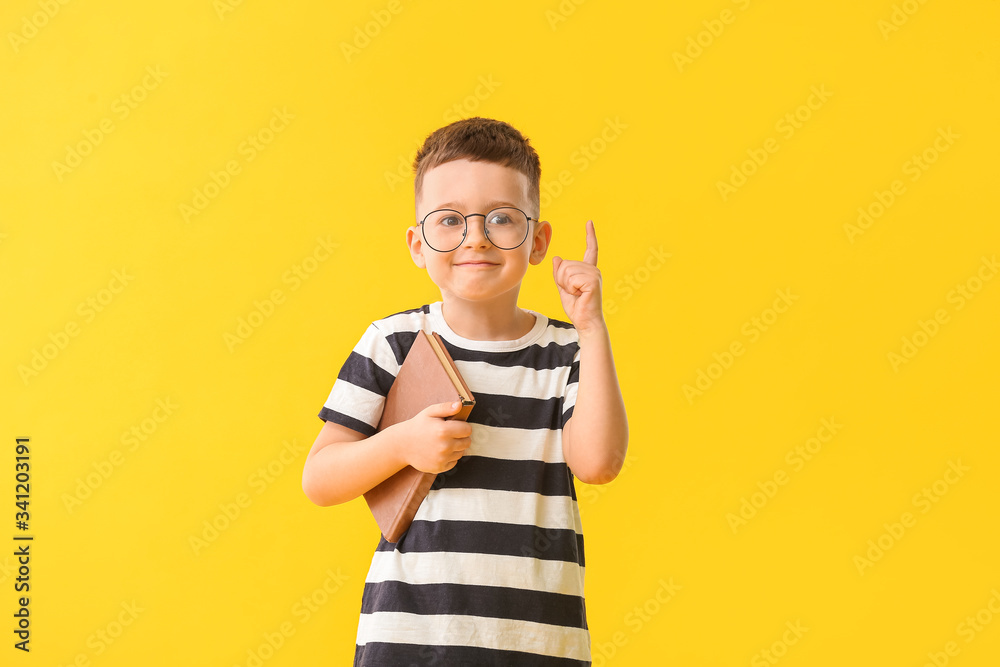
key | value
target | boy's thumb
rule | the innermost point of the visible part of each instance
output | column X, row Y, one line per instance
column 443, row 409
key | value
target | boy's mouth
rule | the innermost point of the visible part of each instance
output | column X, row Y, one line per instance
column 476, row 263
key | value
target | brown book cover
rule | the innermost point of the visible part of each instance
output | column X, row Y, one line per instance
column 427, row 376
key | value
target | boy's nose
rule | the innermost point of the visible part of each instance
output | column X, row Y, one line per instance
column 475, row 235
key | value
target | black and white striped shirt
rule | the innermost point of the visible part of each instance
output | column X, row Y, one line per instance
column 491, row 571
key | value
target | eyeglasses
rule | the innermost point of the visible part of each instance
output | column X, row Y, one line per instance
column 445, row 229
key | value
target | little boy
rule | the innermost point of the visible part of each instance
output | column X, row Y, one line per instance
column 491, row 571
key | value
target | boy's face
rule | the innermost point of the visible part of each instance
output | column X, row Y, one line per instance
column 477, row 270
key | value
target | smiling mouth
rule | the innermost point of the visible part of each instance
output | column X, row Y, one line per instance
column 477, row 264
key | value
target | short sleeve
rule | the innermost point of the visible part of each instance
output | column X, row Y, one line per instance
column 572, row 384
column 359, row 392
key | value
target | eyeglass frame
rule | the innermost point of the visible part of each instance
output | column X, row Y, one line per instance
column 486, row 233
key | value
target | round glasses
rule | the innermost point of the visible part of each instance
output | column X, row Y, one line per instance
column 445, row 229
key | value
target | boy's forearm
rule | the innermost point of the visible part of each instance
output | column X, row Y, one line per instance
column 595, row 446
column 344, row 470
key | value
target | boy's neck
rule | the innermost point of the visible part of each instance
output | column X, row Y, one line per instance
column 499, row 319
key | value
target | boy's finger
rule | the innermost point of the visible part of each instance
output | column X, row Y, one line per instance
column 458, row 429
column 590, row 254
column 443, row 409
column 558, row 271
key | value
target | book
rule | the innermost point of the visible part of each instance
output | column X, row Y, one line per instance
column 428, row 375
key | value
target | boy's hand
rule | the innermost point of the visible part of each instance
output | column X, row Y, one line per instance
column 579, row 285
column 435, row 444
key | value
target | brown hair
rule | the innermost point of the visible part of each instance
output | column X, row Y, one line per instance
column 480, row 139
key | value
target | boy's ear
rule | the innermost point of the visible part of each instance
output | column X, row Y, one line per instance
column 540, row 240
column 415, row 242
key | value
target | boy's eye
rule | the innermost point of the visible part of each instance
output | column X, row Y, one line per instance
column 500, row 219
column 451, row 221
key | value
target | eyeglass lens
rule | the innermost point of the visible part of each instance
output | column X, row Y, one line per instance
column 445, row 230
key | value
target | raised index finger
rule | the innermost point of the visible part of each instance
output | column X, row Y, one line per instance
column 590, row 254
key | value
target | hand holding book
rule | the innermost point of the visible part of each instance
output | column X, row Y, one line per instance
column 422, row 402
column 435, row 443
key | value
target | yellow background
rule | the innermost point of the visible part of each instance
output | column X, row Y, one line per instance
column 560, row 73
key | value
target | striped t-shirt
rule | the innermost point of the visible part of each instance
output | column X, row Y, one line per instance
column 491, row 571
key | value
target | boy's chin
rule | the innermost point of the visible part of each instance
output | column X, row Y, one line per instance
column 477, row 295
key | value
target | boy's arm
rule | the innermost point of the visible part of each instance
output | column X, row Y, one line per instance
column 595, row 437
column 343, row 464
